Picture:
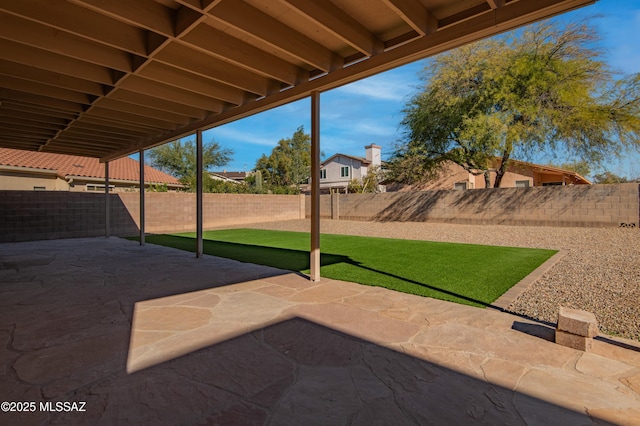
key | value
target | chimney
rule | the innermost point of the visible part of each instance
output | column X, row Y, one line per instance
column 373, row 154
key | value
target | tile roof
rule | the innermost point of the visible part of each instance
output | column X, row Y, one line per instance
column 73, row 165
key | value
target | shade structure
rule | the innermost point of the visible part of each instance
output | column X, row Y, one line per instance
column 110, row 78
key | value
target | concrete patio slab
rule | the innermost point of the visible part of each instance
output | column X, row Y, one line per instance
column 152, row 335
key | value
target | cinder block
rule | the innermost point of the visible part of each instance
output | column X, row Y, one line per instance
column 574, row 341
column 575, row 321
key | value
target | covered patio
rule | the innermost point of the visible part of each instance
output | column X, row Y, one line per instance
column 109, row 79
column 149, row 335
column 152, row 335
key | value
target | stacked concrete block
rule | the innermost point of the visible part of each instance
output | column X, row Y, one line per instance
column 576, row 329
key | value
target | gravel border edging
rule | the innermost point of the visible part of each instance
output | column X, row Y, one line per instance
column 514, row 292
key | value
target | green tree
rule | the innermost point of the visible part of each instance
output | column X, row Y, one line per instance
column 289, row 163
column 158, row 187
column 583, row 168
column 178, row 159
column 609, row 177
column 367, row 184
column 544, row 88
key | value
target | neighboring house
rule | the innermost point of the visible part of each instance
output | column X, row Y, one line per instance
column 519, row 174
column 338, row 170
column 42, row 171
column 234, row 177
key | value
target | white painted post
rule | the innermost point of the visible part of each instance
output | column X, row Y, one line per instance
column 315, row 187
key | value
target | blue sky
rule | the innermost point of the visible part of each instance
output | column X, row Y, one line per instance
column 370, row 110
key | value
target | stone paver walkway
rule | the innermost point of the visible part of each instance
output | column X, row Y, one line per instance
column 151, row 335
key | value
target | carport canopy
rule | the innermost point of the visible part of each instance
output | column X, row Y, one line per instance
column 107, row 78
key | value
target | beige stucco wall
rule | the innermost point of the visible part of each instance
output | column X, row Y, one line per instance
column 514, row 173
column 115, row 187
column 449, row 177
column 28, row 182
column 50, row 182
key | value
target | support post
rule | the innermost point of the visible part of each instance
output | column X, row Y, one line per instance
column 315, row 187
column 199, row 243
column 142, row 197
column 107, row 219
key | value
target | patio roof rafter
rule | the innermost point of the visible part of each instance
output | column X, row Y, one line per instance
column 339, row 23
column 161, row 69
column 412, row 11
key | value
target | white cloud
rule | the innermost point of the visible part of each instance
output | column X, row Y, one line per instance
column 374, row 128
column 386, row 87
column 372, row 89
column 230, row 136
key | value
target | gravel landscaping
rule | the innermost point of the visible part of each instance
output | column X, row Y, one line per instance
column 600, row 271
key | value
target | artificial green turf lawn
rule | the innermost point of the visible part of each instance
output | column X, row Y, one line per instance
column 465, row 273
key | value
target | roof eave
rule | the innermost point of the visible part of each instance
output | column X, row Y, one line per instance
column 121, row 181
column 30, row 170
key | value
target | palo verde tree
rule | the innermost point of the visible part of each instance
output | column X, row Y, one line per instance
column 544, row 88
column 289, row 163
column 581, row 167
column 178, row 159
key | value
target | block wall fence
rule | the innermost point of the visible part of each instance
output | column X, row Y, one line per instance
column 580, row 205
column 29, row 215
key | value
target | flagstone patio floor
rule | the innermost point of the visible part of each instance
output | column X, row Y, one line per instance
column 104, row 331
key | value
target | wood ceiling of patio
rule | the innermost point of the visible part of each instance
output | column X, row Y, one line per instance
column 105, row 78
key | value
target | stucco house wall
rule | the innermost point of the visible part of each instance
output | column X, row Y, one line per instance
column 515, row 173
column 22, row 181
column 52, row 182
column 331, row 169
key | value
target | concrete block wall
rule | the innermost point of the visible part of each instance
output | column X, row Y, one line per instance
column 176, row 212
column 41, row 215
column 44, row 215
column 579, row 205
